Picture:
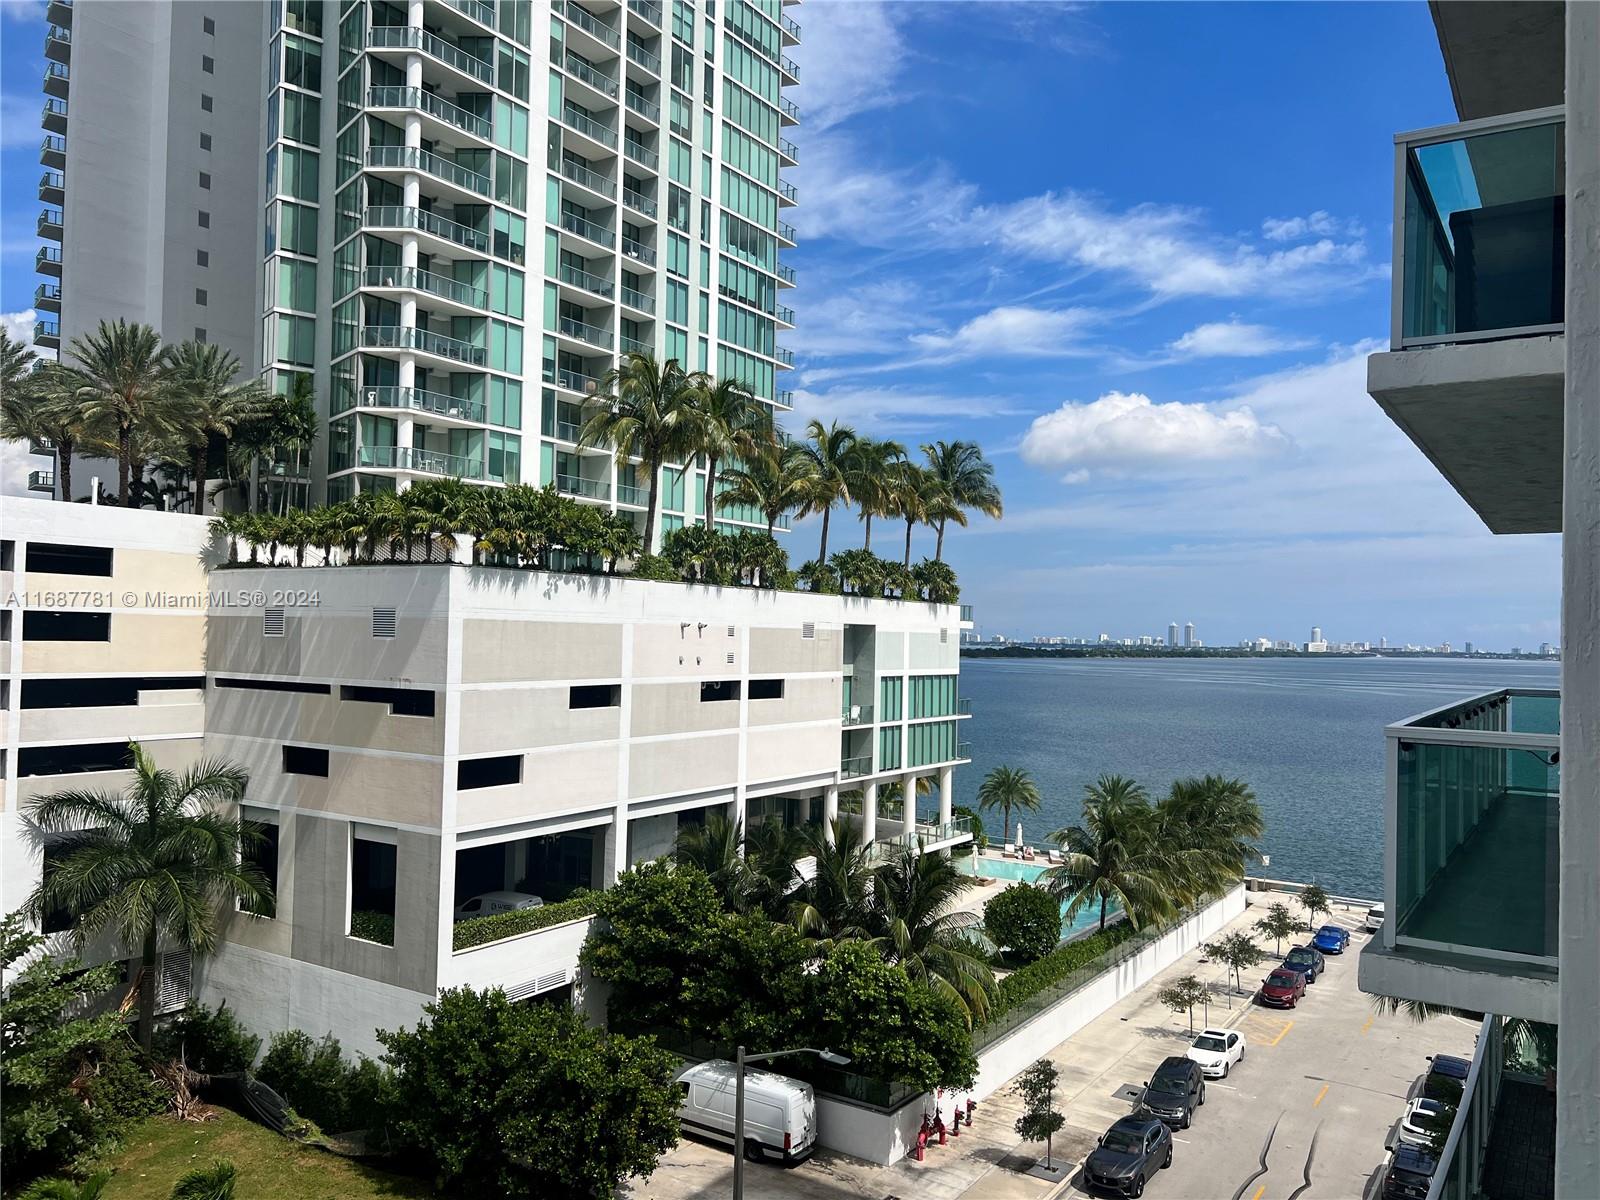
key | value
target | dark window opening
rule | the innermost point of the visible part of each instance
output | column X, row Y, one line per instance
column 305, row 760
column 489, row 772
column 8, row 555
column 73, row 760
column 766, row 689
column 402, row 702
column 595, row 695
column 53, row 559
column 372, row 880
column 261, row 852
column 41, row 626
column 720, row 689
column 98, row 693
column 552, row 867
column 275, row 685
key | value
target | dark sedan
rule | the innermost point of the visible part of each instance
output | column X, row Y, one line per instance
column 1409, row 1174
column 1127, row 1155
column 1304, row 958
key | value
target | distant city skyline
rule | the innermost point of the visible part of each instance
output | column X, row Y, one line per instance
column 1185, row 636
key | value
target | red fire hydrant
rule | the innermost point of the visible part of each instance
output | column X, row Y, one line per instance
column 971, row 1107
column 938, row 1127
column 922, row 1140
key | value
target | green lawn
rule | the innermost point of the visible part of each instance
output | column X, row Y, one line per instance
column 270, row 1167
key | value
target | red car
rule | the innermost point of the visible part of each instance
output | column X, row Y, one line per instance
column 1283, row 989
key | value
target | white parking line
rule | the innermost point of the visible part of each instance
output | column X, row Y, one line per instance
column 1185, row 1141
column 1229, row 1086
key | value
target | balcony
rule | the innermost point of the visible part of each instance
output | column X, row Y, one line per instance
column 1474, row 375
column 56, row 79
column 587, row 177
column 47, row 297
column 784, row 399
column 577, row 277
column 48, row 261
column 784, row 356
column 577, row 381
column 591, row 24
column 53, row 187
column 59, row 12
column 409, row 37
column 790, row 70
column 478, row 11
column 461, row 295
column 784, row 316
column 786, row 234
column 639, row 202
column 788, row 152
column 788, row 111
column 54, row 116
column 438, row 404
column 42, row 481
column 966, row 614
column 649, row 11
column 638, row 251
column 597, row 79
column 644, row 107
column 603, row 136
column 585, row 228
column 855, row 768
column 415, row 158
column 855, row 714
column 639, row 301
column 639, row 55
column 58, row 44
column 423, row 341
column 633, row 345
column 785, row 275
column 791, row 31
column 787, row 192
column 442, row 112
column 592, row 335
column 49, row 224
column 424, row 462
column 1472, row 865
column 633, row 495
column 47, row 334
column 926, row 836
column 642, row 155
column 53, row 152
column 395, row 216
column 588, row 489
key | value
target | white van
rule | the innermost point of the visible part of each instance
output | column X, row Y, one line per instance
column 1374, row 920
column 486, row 903
column 780, row 1114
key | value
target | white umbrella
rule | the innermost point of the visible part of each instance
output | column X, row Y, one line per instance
column 1019, row 835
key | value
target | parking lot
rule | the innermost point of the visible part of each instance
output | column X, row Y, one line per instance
column 1305, row 1115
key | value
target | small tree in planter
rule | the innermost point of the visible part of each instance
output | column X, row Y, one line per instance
column 1278, row 923
column 1238, row 953
column 1039, row 1121
column 1315, row 900
column 1026, row 920
column 1182, row 995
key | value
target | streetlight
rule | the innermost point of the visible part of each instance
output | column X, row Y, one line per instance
column 740, row 1059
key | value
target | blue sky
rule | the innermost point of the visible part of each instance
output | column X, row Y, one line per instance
column 1139, row 252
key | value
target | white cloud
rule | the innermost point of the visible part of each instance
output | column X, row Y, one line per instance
column 864, row 202
column 1233, row 339
column 838, row 320
column 849, row 61
column 19, row 325
column 894, row 411
column 1013, row 329
column 1126, row 432
column 19, row 120
column 22, row 10
column 1317, row 224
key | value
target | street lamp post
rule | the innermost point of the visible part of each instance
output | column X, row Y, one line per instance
column 740, row 1060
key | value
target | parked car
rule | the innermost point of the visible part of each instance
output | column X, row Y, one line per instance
column 1173, row 1092
column 1409, row 1173
column 1283, row 988
column 1446, row 1078
column 1308, row 959
column 1332, row 939
column 1216, row 1050
column 485, row 903
column 780, row 1114
column 1418, row 1115
column 1374, row 920
column 1127, row 1155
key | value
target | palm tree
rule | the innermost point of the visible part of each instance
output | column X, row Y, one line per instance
column 1208, row 828
column 873, row 480
column 206, row 378
column 732, row 423
column 772, row 479
column 151, row 865
column 45, row 405
column 123, row 369
column 295, row 426
column 829, row 452
column 910, row 489
column 16, row 364
column 713, row 848
column 833, row 904
column 771, row 851
column 967, row 480
column 647, row 413
column 1006, row 788
column 912, row 895
column 1112, row 856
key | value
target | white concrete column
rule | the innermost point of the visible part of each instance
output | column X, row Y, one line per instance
column 1578, row 1068
column 830, row 812
column 869, row 812
column 616, row 845
column 908, row 806
column 947, row 794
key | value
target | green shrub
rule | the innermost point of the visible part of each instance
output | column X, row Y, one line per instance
column 476, row 931
column 653, row 566
column 321, row 1086
column 1055, row 967
column 372, row 927
column 1025, row 919
column 207, row 1183
column 818, row 577
column 66, row 1189
column 212, row 1042
column 936, row 581
column 700, row 555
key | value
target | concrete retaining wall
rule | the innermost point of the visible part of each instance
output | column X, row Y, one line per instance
column 1023, row 1045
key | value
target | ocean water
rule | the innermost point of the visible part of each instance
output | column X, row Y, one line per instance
column 1306, row 734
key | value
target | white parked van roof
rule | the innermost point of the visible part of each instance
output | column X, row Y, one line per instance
column 720, row 1072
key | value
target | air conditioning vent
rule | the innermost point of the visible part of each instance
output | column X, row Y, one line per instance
column 383, row 622
column 730, row 658
column 172, row 989
column 808, row 631
column 944, row 636
column 730, row 631
column 272, row 622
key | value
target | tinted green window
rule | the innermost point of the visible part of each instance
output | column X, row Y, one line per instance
column 889, row 692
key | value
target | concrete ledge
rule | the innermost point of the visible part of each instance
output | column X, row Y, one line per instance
column 1460, row 981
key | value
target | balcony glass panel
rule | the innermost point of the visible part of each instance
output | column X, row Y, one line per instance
column 1483, row 244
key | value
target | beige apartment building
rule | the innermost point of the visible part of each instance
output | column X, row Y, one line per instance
column 419, row 735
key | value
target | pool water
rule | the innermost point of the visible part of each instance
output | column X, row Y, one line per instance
column 1026, row 872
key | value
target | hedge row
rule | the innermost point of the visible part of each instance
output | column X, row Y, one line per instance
column 1053, row 968
column 476, row 931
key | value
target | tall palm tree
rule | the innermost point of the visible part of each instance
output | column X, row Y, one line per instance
column 829, row 451
column 912, row 898
column 910, row 488
column 151, row 865
column 16, row 364
column 46, row 405
column 206, row 378
column 295, row 426
column 771, row 852
column 647, row 412
column 1006, row 788
column 714, row 848
column 732, row 423
column 123, row 369
column 968, row 482
column 872, row 480
column 1113, row 856
column 773, row 479
column 1208, row 828
column 834, row 903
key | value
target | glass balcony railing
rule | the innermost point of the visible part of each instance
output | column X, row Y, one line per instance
column 436, row 106
column 48, row 256
column 784, row 399
column 639, row 202
column 638, row 54
column 855, row 768
column 786, row 273
column 396, row 216
column 788, row 191
column 638, row 251
column 428, row 462
column 589, row 127
column 788, row 149
column 480, row 12
column 648, row 109
column 592, row 75
column 786, row 231
column 632, row 494
column 577, row 485
column 856, row 714
column 1475, row 805
column 1481, row 230
column 790, row 67
column 785, row 356
column 421, row 400
column 642, row 155
column 47, row 293
column 41, row 481
column 790, row 27
column 591, row 24
column 407, row 337
column 588, row 281
column 633, row 345
column 786, row 315
column 963, row 750
column 634, row 298
column 789, row 109
column 409, row 37
column 46, row 330
column 415, row 158
column 594, row 335
column 577, row 381
column 966, row 612
column 586, row 228
column 583, row 174
column 649, row 11
column 425, row 281
column 568, row 431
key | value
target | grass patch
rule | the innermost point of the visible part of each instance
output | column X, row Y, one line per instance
column 158, row 1151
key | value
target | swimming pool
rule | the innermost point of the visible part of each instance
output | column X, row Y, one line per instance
column 1026, row 872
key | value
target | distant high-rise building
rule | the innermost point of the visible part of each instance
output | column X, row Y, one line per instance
column 1316, row 633
column 1544, row 649
column 1383, row 643
column 1468, row 648
column 1172, row 634
column 1188, row 633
